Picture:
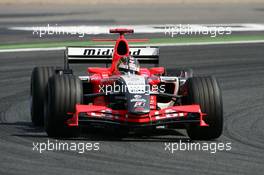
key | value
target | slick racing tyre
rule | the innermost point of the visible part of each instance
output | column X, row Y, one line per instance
column 205, row 92
column 64, row 92
column 39, row 81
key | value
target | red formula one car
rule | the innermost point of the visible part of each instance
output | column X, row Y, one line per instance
column 123, row 95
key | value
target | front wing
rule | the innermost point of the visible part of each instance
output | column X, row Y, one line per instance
column 87, row 114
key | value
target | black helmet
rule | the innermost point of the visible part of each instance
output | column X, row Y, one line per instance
column 128, row 64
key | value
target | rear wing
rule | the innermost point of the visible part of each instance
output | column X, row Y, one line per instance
column 149, row 55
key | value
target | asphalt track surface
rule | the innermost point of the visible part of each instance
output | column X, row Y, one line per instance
column 240, row 70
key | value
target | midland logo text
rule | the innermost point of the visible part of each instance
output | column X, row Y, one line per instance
column 106, row 52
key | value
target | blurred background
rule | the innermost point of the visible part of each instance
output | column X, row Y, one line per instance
column 96, row 13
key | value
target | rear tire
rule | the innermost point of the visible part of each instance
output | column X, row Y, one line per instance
column 206, row 92
column 64, row 92
column 39, row 81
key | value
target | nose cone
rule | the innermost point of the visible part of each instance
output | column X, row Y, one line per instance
column 138, row 103
column 137, row 94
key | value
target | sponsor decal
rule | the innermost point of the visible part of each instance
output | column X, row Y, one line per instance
column 106, row 52
column 102, row 52
column 139, row 109
column 137, row 96
column 139, row 104
column 138, row 100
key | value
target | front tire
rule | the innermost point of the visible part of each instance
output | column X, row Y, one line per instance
column 205, row 92
column 64, row 92
column 38, row 91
